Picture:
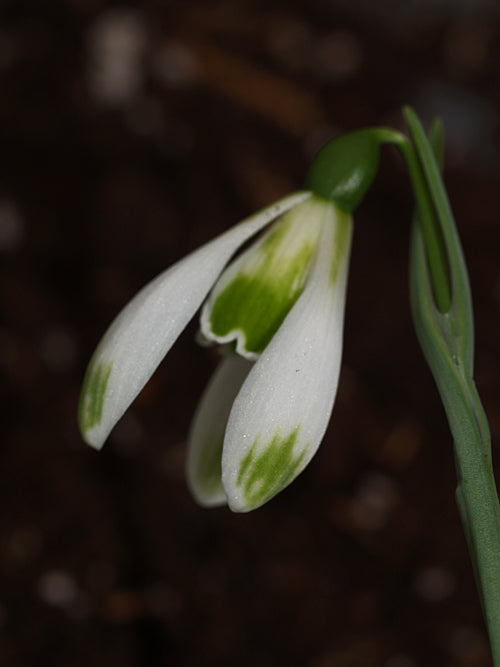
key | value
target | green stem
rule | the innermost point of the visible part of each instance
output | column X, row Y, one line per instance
column 477, row 500
column 447, row 342
column 476, row 494
column 434, row 242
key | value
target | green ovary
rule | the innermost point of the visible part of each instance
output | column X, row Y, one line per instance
column 256, row 303
column 92, row 397
column 263, row 475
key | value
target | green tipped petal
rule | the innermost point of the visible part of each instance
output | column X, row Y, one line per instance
column 92, row 396
column 283, row 407
column 254, row 295
column 207, row 476
column 206, row 435
column 266, row 470
column 148, row 326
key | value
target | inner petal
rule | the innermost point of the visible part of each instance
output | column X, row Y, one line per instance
column 256, row 292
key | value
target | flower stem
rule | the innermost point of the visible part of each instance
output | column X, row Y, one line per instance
column 447, row 339
column 435, row 246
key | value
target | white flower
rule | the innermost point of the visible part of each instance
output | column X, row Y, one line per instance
column 280, row 306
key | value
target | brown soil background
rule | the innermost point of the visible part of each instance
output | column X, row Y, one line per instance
column 104, row 558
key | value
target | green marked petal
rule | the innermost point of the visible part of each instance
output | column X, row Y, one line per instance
column 265, row 472
column 281, row 412
column 207, row 474
column 145, row 330
column 254, row 295
column 206, row 435
column 92, row 396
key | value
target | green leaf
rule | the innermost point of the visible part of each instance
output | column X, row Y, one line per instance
column 446, row 337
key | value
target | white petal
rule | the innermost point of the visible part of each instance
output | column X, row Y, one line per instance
column 207, row 431
column 282, row 411
column 148, row 326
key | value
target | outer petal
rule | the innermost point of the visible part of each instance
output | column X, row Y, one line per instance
column 207, row 431
column 148, row 326
column 282, row 411
column 254, row 294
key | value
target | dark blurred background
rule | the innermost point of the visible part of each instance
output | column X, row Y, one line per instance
column 132, row 133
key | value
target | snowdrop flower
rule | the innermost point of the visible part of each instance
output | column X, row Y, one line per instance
column 278, row 308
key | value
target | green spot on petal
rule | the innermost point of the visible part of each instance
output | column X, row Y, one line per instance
column 263, row 287
column 208, row 467
column 92, row 396
column 263, row 475
column 255, row 308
